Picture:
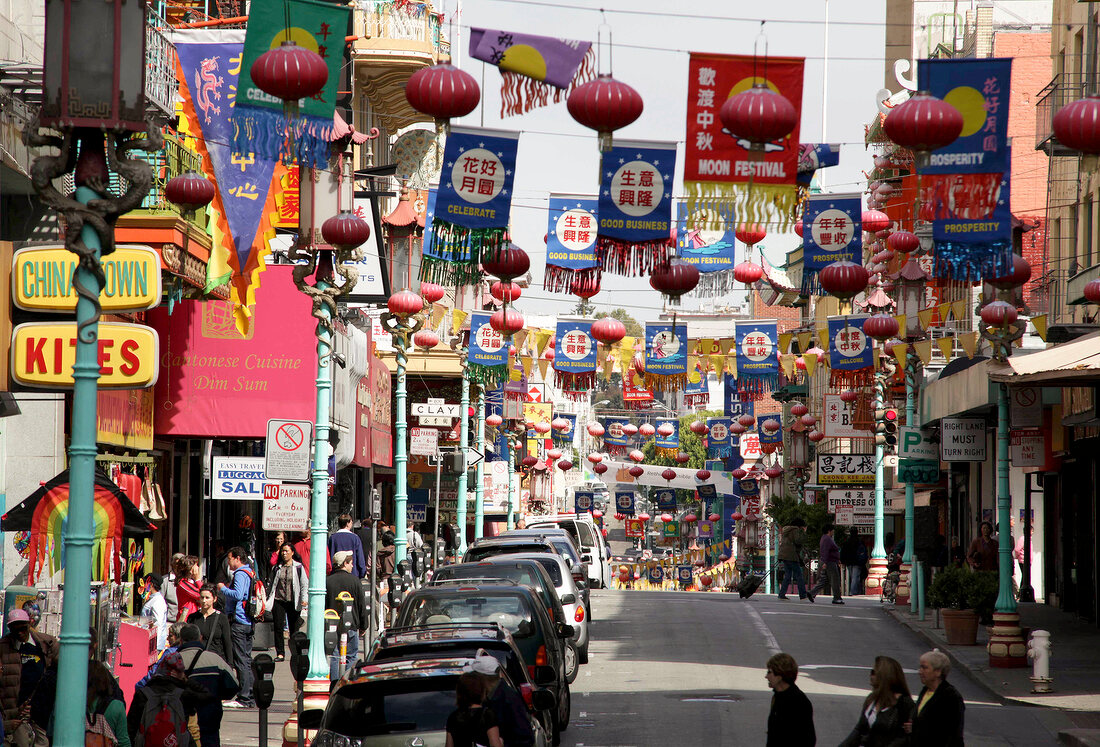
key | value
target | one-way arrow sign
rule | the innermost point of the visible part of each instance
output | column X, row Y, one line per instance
column 473, row 456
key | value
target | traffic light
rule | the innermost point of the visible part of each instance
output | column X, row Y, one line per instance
column 886, row 428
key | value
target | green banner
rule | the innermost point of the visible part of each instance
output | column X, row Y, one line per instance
column 918, row 471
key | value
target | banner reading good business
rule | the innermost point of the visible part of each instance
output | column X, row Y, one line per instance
column 571, row 244
column 575, row 358
column 636, row 207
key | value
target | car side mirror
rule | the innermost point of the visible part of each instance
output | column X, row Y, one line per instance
column 569, row 599
column 586, row 558
column 545, row 675
column 544, row 700
column 565, row 631
column 311, row 719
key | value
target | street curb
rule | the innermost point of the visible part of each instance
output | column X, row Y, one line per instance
column 975, row 675
column 1079, row 737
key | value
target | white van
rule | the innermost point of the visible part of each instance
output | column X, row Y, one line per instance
column 588, row 538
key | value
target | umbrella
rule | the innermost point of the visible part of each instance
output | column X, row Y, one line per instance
column 45, row 512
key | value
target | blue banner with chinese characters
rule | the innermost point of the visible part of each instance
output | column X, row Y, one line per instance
column 613, row 437
column 851, row 357
column 979, row 90
column 487, row 352
column 624, row 502
column 683, row 574
column 757, row 358
column 565, row 436
column 635, row 211
column 666, row 499
column 696, row 392
column 582, row 501
column 712, row 252
column 773, row 437
column 832, row 231
column 571, row 244
column 814, row 156
column 575, row 358
column 719, row 438
column 973, row 242
column 473, row 205
column 668, row 445
column 656, row 575
column 665, row 357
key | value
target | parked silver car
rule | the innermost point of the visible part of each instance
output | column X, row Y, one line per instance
column 575, row 612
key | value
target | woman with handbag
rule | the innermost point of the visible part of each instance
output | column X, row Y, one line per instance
column 289, row 589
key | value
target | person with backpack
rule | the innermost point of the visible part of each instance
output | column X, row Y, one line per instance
column 25, row 656
column 242, row 599
column 105, row 709
column 160, row 711
column 206, row 669
column 213, row 624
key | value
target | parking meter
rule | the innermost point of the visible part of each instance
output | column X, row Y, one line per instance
column 263, row 688
column 332, row 631
column 299, row 656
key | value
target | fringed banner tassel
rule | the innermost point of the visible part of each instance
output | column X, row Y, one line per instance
column 486, row 377
column 715, row 284
column 719, row 452
column 662, row 383
column 772, row 204
column 694, row 400
column 972, row 262
column 615, row 449
column 811, row 286
column 520, row 94
column 276, row 135
column 457, row 253
column 755, row 386
column 858, row 379
column 563, row 279
column 575, row 386
column 667, row 451
column 632, row 258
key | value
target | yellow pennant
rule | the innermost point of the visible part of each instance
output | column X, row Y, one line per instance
column 944, row 308
column 811, row 362
column 804, row 341
column 924, row 316
column 726, row 344
column 608, row 367
column 438, row 312
column 969, row 343
column 542, row 337
column 786, row 362
column 923, row 349
column 902, row 321
column 1040, row 323
column 527, row 362
column 637, row 381
column 717, row 363
column 602, row 354
column 544, row 366
column 900, row 350
column 947, row 346
column 785, row 342
column 958, row 308
column 458, row 318
column 626, row 345
column 731, row 365
column 876, row 356
column 520, row 338
column 823, row 338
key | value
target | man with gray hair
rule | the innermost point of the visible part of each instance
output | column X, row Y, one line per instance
column 939, row 715
column 507, row 704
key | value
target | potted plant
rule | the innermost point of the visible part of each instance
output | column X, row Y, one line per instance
column 982, row 592
column 951, row 593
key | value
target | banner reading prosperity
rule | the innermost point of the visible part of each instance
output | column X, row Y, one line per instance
column 614, row 439
column 665, row 356
column 723, row 175
column 835, row 223
column 582, row 501
column 711, row 251
column 473, row 204
column 564, row 437
column 487, row 352
column 575, row 358
column 635, row 211
column 571, row 244
column 851, row 357
column 757, row 358
column 668, row 443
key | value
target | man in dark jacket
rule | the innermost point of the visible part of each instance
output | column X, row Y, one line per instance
column 791, row 719
column 505, row 703
column 940, row 713
column 790, row 553
column 829, row 559
column 854, row 557
column 211, row 672
column 344, row 593
column 25, row 655
column 345, row 539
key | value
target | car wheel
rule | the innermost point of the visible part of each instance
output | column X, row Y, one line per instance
column 568, row 709
column 583, row 654
column 572, row 662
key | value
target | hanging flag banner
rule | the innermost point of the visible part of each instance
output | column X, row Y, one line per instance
column 733, row 406
column 851, row 357
column 299, row 131
column 565, row 436
column 624, row 502
column 614, row 439
column 487, row 352
column 472, row 208
column 964, row 185
column 635, row 395
column 683, row 574
column 814, row 156
column 575, row 358
column 724, row 175
column 665, row 357
column 835, row 224
column 719, row 438
column 757, row 358
column 773, row 438
column 535, row 69
column 668, row 444
column 635, row 210
column 583, row 501
column 571, row 244
column 666, row 499
column 711, row 251
column 208, row 64
column 696, row 392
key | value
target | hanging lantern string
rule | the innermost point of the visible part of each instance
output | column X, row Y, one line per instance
column 760, row 37
column 286, row 19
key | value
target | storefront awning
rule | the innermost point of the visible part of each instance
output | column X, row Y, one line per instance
column 1075, row 363
column 957, row 393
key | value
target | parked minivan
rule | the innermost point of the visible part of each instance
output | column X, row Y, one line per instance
column 588, row 538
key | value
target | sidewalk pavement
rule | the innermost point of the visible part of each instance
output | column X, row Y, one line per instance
column 1075, row 666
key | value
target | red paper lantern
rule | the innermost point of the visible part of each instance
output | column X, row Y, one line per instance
column 674, row 279
column 1020, row 274
column 770, row 425
column 345, row 230
column 619, row 517
column 426, row 339
column 542, row 428
column 903, row 242
column 1092, row 291
column 736, row 516
column 798, row 228
column 585, row 286
column 629, row 429
column 808, row 420
column 800, row 363
column 595, row 458
column 816, row 436
column 714, row 517
column 608, row 330
column 600, row 468
column 748, row 272
column 290, row 72
column 706, row 580
column 666, row 430
column 875, row 221
column 443, row 92
column 798, row 409
column 643, row 516
column 549, row 354
column 529, row 461
column 405, row 303
column 561, row 425
column 1077, row 125
column 509, row 263
column 506, row 321
column 646, row 430
column 669, row 474
column 759, row 115
column 849, row 396
column 565, row 465
column 636, row 471
column 739, row 474
column 597, row 514
column 666, row 518
column 637, row 455
column 999, row 314
column 737, row 429
column 698, row 427
column 503, row 291
column 702, row 475
column 190, row 190
column 554, row 453
column 494, row 420
column 430, row 292
column 604, row 105
column 750, row 233
column 843, row 279
column 690, row 518
column 880, row 327
column 773, row 472
column 747, row 420
column 923, row 123
column 683, row 458
column 595, row 430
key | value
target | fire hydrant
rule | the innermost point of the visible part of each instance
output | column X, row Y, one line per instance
column 1038, row 650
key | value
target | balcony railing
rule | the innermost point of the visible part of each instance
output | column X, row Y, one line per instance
column 160, row 65
column 400, row 21
column 1065, row 88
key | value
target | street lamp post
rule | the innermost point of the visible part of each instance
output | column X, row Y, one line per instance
column 94, row 97
column 479, row 485
column 877, row 567
column 464, row 446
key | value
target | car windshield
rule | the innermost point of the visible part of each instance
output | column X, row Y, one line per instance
column 565, row 549
column 519, row 574
column 475, row 554
column 363, row 709
column 509, row 611
column 587, row 540
column 566, row 525
column 553, row 569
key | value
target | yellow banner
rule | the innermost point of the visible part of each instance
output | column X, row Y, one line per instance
column 785, row 342
column 542, row 337
column 923, row 349
column 527, row 362
column 1040, row 323
column 900, row 350
column 786, row 362
column 924, row 316
column 947, row 346
column 804, row 341
column 969, row 343
column 810, row 359
column 958, row 308
column 458, row 317
column 438, row 312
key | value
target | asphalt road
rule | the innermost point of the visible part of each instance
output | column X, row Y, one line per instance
column 671, row 668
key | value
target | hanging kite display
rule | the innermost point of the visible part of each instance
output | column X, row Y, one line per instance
column 472, row 206
column 832, row 232
column 712, row 252
column 964, row 185
column 668, row 437
column 719, row 438
column 535, row 69
column 575, row 358
column 271, row 127
column 571, row 244
column 851, row 360
column 728, row 172
column 757, row 358
column 665, row 357
column 487, row 353
column 635, row 207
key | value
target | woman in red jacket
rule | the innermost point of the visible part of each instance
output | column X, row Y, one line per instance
column 188, row 582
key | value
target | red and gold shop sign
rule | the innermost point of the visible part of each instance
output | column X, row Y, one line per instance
column 286, row 201
column 125, row 418
column 43, row 353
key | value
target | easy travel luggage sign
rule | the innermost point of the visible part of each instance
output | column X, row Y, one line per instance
column 42, row 279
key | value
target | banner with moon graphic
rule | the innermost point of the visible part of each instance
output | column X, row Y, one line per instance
column 665, row 357
column 711, row 251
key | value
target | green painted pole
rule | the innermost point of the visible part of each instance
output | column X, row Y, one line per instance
column 72, row 672
column 401, row 455
column 879, row 550
column 463, row 444
column 318, row 514
column 910, row 422
column 479, row 488
column 1006, row 601
column 511, row 491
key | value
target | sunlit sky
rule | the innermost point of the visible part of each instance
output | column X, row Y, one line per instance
column 651, row 42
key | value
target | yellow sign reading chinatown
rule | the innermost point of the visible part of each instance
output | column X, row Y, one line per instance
column 43, row 353
column 42, row 279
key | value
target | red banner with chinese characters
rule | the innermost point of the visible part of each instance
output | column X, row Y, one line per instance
column 723, row 176
column 634, row 395
column 286, row 200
